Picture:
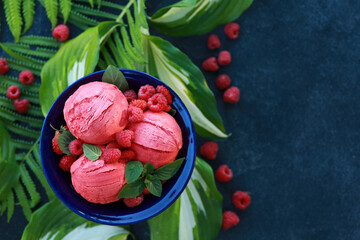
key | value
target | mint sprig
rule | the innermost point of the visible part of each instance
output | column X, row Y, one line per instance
column 133, row 171
column 114, row 76
column 64, row 140
column 92, row 152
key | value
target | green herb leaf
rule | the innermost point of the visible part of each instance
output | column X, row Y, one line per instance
column 154, row 185
column 172, row 112
column 133, row 189
column 64, row 140
column 92, row 152
column 133, row 171
column 168, row 171
column 148, row 169
column 114, row 76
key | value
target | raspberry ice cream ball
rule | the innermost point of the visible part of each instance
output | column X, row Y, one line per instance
column 96, row 112
column 61, row 32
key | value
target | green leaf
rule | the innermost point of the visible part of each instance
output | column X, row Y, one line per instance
column 172, row 112
column 65, row 7
column 9, row 178
column 133, row 171
column 75, row 59
column 92, row 152
column 169, row 170
column 114, row 76
column 133, row 189
column 28, row 8
column 148, row 169
column 64, row 140
column 13, row 17
column 51, row 7
column 91, row 3
column 197, row 17
column 154, row 185
column 197, row 214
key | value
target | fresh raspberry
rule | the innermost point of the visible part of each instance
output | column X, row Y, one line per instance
column 230, row 219
column 128, row 154
column 113, row 144
column 26, row 77
column 76, row 147
column 223, row 173
column 133, row 202
column 232, row 30
column 13, row 92
column 146, row 191
column 209, row 150
column 146, row 92
column 4, row 67
column 167, row 108
column 139, row 103
column 66, row 162
column 135, row 114
column 163, row 181
column 224, row 58
column 125, row 137
column 232, row 95
column 210, row 64
column 241, row 200
column 21, row 105
column 213, row 42
column 157, row 103
column 223, row 81
column 130, row 95
column 164, row 91
column 111, row 155
column 61, row 32
column 55, row 144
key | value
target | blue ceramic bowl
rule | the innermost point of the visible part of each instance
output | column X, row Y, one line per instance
column 116, row 213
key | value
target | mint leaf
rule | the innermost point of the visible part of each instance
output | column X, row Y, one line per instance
column 148, row 169
column 154, row 185
column 133, row 189
column 92, row 152
column 114, row 76
column 64, row 140
column 172, row 112
column 133, row 171
column 168, row 171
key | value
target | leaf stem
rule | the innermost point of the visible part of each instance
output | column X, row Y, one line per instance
column 30, row 150
column 121, row 15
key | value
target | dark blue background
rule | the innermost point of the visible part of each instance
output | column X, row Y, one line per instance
column 295, row 132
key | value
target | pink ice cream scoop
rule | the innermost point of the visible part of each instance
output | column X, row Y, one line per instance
column 97, row 181
column 95, row 112
column 157, row 139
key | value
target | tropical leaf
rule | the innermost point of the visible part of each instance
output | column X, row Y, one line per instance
column 13, row 17
column 51, row 7
column 28, row 8
column 65, row 7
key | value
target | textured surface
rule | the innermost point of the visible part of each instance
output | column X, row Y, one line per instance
column 296, row 132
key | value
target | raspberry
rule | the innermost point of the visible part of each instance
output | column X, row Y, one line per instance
column 223, row 173
column 210, row 64
column 213, row 42
column 241, row 200
column 146, row 191
column 128, row 154
column 125, row 137
column 113, row 144
column 75, row 147
column 223, row 81
column 61, row 32
column 167, row 108
column 21, row 105
column 232, row 95
column 26, row 77
column 111, row 155
column 66, row 162
column 130, row 95
column 133, row 202
column 157, row 103
column 139, row 103
column 209, row 150
column 224, row 58
column 232, row 30
column 4, row 67
column 13, row 92
column 164, row 91
column 135, row 114
column 230, row 219
column 146, row 92
column 55, row 144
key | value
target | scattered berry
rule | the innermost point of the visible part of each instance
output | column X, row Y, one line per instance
column 133, row 202
column 76, row 147
column 146, row 191
column 224, row 58
column 113, row 144
column 128, row 154
column 26, row 77
column 164, row 91
column 146, row 92
column 209, row 150
column 232, row 30
column 213, row 42
column 125, row 137
column 66, row 162
column 13, row 92
column 139, row 103
column 4, row 67
column 21, row 105
column 61, row 32
column 167, row 108
column 230, row 219
column 130, row 95
column 223, row 173
column 157, row 103
column 135, row 114
column 232, row 95
column 210, row 64
column 55, row 144
column 241, row 200
column 223, row 81
column 111, row 155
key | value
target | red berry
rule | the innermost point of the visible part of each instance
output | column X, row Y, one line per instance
column 223, row 81
column 55, row 144
column 133, row 202
column 61, row 32
column 76, row 147
column 232, row 95
column 66, row 162
column 230, row 219
column 26, row 77
column 164, row 91
column 213, row 42
column 146, row 92
column 21, row 105
column 210, row 64
column 4, row 67
column 13, row 92
column 232, row 30
column 125, row 137
column 224, row 58
column 146, row 191
column 139, row 103
column 209, row 150
column 111, row 155
column 157, row 103
column 167, row 108
column 128, row 154
column 135, row 114
column 241, row 200
column 113, row 144
column 130, row 95
column 223, row 173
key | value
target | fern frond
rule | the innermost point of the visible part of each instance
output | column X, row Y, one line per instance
column 29, row 186
column 13, row 17
column 21, row 130
column 91, row 2
column 34, row 110
column 120, row 61
column 10, row 80
column 101, row 64
column 22, row 145
column 81, row 20
column 99, row 4
column 28, row 7
column 107, row 57
column 23, row 201
column 122, row 52
column 51, row 7
column 36, row 153
column 132, row 53
column 134, row 30
column 105, row 4
column 92, row 12
column 40, row 41
column 25, row 50
column 32, row 100
column 22, row 65
column 10, row 115
column 10, row 205
column 65, row 7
